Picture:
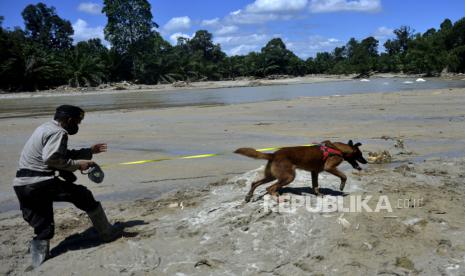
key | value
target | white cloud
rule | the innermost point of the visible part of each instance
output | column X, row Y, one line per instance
column 210, row 22
column 240, row 17
column 244, row 44
column 224, row 30
column 178, row 23
column 312, row 45
column 228, row 41
column 235, row 12
column 276, row 6
column 82, row 31
column 241, row 44
column 383, row 33
column 242, row 49
column 89, row 7
column 318, row 6
column 174, row 37
column 262, row 11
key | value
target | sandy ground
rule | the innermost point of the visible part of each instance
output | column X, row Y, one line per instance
column 200, row 224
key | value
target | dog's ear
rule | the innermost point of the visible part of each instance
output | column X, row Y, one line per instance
column 350, row 143
column 357, row 144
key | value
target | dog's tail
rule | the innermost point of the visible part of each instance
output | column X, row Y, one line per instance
column 252, row 153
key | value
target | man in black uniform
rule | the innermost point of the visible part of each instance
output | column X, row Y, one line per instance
column 37, row 185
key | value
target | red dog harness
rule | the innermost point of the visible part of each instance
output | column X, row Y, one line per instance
column 328, row 152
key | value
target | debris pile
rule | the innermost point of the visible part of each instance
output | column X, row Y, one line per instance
column 380, row 157
column 181, row 84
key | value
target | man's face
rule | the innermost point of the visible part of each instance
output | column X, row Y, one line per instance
column 72, row 125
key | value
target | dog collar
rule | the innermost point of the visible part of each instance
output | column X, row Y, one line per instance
column 349, row 155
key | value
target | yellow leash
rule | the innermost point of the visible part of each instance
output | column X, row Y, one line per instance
column 139, row 162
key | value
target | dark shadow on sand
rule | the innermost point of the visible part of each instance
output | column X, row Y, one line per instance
column 89, row 238
column 302, row 191
column 309, row 190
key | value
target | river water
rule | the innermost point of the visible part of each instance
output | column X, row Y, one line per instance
column 33, row 106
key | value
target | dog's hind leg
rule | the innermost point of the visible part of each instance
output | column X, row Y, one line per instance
column 268, row 178
column 254, row 186
column 273, row 189
column 284, row 171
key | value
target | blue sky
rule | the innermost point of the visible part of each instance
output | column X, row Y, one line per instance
column 241, row 26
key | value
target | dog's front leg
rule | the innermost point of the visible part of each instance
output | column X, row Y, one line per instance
column 331, row 167
column 315, row 187
column 339, row 174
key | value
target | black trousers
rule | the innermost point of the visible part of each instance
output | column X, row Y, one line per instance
column 36, row 203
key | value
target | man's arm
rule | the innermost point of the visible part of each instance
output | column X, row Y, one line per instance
column 86, row 153
column 83, row 154
column 55, row 153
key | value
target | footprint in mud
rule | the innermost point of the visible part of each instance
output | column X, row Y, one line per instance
column 239, row 222
column 307, row 263
column 405, row 262
column 210, row 263
column 444, row 247
column 190, row 234
column 145, row 234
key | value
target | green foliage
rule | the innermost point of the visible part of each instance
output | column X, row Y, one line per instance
column 323, row 63
column 26, row 65
column 153, row 64
column 129, row 21
column 86, row 65
column 388, row 63
column 233, row 67
column 456, row 59
column 31, row 68
column 254, row 64
column 46, row 28
column 128, row 28
column 276, row 57
column 425, row 55
column 197, row 58
column 364, row 56
column 10, row 51
column 404, row 35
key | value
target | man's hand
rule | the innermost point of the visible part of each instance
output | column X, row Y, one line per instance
column 98, row 148
column 85, row 164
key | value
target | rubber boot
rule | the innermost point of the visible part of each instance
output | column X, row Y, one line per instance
column 39, row 252
column 106, row 231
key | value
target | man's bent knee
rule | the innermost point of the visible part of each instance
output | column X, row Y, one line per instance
column 83, row 198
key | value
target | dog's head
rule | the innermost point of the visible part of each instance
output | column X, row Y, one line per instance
column 355, row 156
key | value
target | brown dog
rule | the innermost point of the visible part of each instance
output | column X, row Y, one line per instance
column 315, row 159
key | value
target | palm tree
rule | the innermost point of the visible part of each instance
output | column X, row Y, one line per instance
column 31, row 69
column 84, row 69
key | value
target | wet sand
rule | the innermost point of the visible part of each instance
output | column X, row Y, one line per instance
column 241, row 238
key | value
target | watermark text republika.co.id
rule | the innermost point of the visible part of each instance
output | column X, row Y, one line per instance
column 346, row 204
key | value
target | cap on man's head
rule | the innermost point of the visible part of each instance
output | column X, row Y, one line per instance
column 69, row 111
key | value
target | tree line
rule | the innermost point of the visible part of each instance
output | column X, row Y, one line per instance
column 43, row 56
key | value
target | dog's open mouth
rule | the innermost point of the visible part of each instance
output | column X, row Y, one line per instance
column 355, row 165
